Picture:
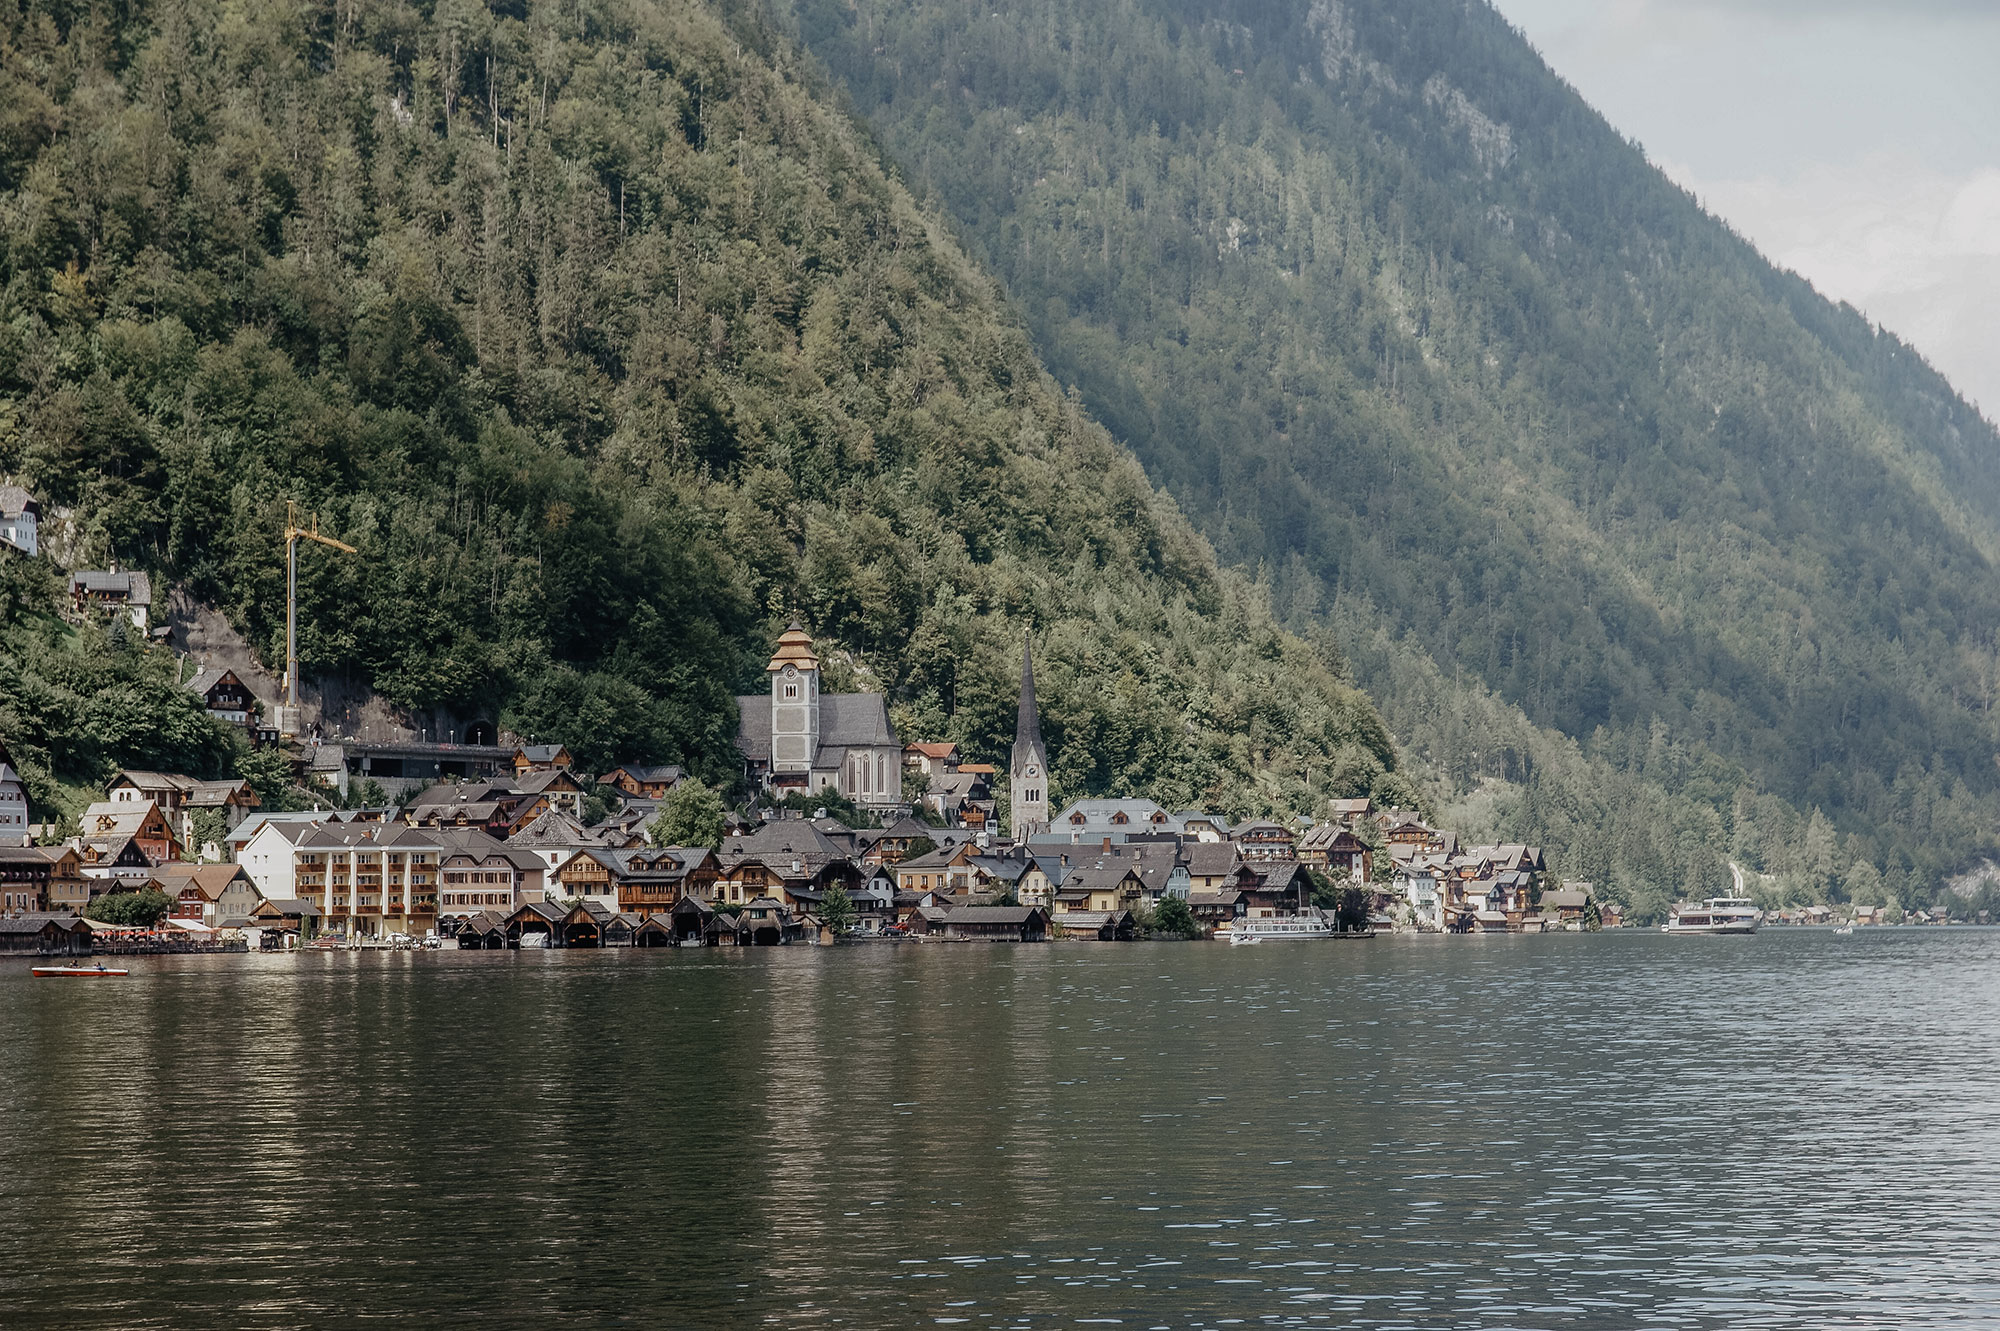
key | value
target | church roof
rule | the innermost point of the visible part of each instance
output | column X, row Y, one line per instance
column 846, row 720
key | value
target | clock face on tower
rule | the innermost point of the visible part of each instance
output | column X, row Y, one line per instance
column 1033, row 772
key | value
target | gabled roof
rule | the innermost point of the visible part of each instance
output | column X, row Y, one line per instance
column 1330, row 836
column 1002, row 869
column 669, row 773
column 14, row 500
column 846, row 720
column 208, row 677
column 35, row 923
column 1100, row 876
column 776, row 845
column 541, row 753
column 536, row 782
column 287, row 906
column 291, row 826
column 1208, row 859
column 553, row 827
column 211, row 880
column 132, row 588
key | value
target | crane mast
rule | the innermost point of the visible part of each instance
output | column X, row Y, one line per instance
column 288, row 709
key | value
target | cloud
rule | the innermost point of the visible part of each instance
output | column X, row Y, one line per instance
column 1917, row 250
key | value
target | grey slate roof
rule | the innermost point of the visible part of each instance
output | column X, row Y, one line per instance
column 34, row 924
column 846, row 720
column 132, row 588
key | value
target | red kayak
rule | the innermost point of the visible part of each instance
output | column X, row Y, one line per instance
column 79, row 972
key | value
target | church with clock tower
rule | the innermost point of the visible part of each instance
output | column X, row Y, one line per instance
column 797, row 738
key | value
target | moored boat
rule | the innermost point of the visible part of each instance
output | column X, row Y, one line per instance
column 93, row 972
column 1717, row 915
column 1276, row 929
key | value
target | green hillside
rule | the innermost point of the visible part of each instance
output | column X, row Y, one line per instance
column 1641, row 543
column 609, row 346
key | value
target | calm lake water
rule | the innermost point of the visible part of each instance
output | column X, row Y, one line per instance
column 1624, row 1130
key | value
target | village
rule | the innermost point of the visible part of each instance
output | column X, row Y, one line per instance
column 495, row 852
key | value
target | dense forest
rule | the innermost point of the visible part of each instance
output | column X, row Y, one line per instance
column 1646, row 550
column 610, row 346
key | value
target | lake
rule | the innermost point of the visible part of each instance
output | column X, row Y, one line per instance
column 1620, row 1130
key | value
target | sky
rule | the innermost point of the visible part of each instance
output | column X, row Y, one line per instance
column 1854, row 141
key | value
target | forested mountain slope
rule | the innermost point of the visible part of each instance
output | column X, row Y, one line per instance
column 610, row 347
column 1627, row 517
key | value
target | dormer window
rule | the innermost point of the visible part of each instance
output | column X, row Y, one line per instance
column 1119, row 820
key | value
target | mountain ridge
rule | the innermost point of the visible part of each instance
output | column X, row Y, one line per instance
column 609, row 348
column 1335, row 270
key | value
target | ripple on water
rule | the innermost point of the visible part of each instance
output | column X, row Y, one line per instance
column 1787, row 1131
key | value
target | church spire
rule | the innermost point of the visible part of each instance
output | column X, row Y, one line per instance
column 1028, row 724
column 1028, row 774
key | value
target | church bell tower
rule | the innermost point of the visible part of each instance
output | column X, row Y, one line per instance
column 1028, row 771
column 794, row 672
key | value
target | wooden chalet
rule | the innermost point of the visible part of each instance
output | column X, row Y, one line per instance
column 141, row 820
column 892, row 844
column 1333, row 849
column 540, row 758
column 224, row 696
column 1265, row 842
column 1103, row 887
column 646, row 783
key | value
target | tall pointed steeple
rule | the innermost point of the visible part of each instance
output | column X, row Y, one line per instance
column 1028, row 772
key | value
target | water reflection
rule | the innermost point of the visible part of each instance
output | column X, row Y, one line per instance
column 1788, row 1131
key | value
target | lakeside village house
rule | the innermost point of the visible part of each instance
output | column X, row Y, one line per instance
column 507, row 861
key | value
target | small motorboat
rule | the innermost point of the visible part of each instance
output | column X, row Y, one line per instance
column 1845, row 929
column 1243, row 940
column 79, row 972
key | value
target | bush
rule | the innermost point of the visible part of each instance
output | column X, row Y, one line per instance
column 136, row 910
column 1173, row 919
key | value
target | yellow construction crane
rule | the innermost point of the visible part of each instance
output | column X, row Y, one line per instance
column 288, row 711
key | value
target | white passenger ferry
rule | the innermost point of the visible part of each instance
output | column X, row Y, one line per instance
column 1717, row 915
column 1277, row 928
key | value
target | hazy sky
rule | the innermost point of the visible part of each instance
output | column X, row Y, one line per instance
column 1856, row 141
